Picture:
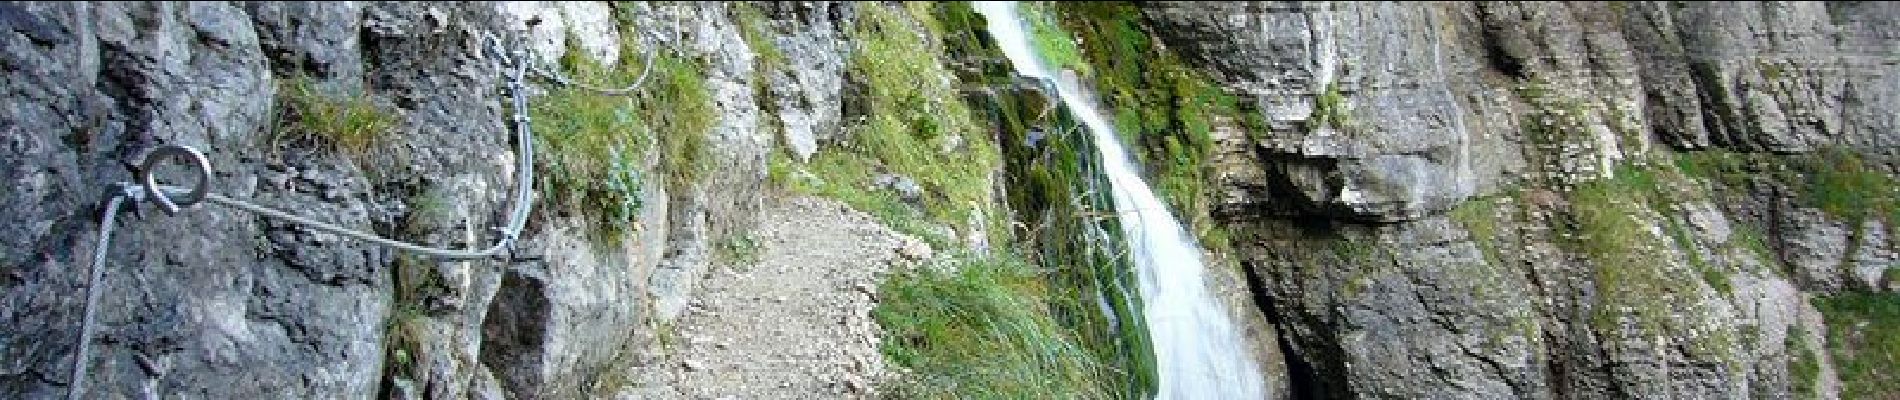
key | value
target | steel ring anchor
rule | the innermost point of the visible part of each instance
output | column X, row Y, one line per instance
column 191, row 156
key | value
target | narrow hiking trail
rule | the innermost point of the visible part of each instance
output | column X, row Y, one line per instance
column 793, row 322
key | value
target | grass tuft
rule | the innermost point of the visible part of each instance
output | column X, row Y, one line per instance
column 737, row 249
column 348, row 124
column 980, row 329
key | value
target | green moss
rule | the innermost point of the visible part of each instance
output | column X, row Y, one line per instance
column 979, row 329
column 1723, row 167
column 1607, row 226
column 1714, row 275
column 350, row 124
column 1056, row 46
column 1164, row 110
column 1363, row 263
column 1056, row 188
column 1845, row 187
column 1864, row 340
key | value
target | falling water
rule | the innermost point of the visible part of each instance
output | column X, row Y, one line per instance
column 1198, row 352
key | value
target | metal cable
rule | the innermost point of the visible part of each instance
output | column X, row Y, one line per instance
column 517, row 219
column 360, row 235
column 557, row 77
column 92, row 297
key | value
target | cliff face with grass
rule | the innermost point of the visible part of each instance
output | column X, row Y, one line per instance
column 392, row 118
column 1446, row 200
column 388, row 118
column 1532, row 200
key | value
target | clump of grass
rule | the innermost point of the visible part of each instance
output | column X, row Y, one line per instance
column 681, row 108
column 1481, row 218
column 594, row 147
column 350, row 124
column 1864, row 339
column 1608, row 228
column 980, row 329
column 737, row 249
column 406, row 332
column 1329, row 108
column 1804, row 367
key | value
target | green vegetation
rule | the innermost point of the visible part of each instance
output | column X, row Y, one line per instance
column 1714, row 275
column 1164, row 109
column 756, row 29
column 407, row 328
column 915, row 125
column 1481, row 217
column 995, row 325
column 1863, row 338
column 1843, row 186
column 1329, row 109
column 1804, row 367
column 1057, row 47
column 1835, row 180
column 979, row 329
column 1060, row 195
column 350, row 124
column 593, row 148
column 1771, row 70
column 737, row 249
column 1608, row 225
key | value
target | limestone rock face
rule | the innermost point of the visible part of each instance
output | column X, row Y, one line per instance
column 220, row 303
column 1427, row 210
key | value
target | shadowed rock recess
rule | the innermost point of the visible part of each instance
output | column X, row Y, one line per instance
column 1446, row 200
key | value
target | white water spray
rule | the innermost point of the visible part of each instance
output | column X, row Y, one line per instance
column 1198, row 351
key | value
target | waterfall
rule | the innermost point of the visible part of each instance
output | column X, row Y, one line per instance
column 1198, row 352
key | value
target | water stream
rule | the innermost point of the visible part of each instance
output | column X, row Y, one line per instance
column 1198, row 351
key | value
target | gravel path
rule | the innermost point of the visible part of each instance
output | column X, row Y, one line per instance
column 794, row 325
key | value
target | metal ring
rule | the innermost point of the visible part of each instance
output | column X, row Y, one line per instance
column 191, row 156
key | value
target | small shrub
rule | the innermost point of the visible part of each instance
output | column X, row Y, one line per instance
column 737, row 249
column 1329, row 108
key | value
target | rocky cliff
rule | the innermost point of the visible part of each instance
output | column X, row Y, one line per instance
column 1541, row 200
column 389, row 118
column 1443, row 200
